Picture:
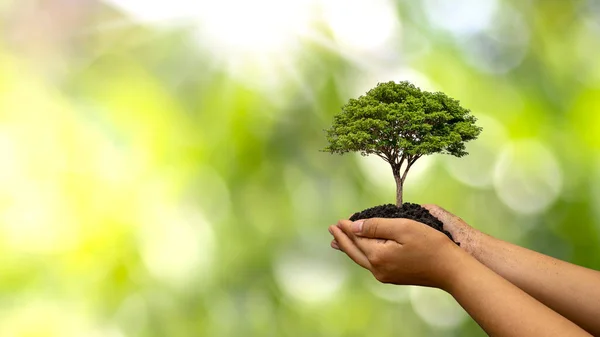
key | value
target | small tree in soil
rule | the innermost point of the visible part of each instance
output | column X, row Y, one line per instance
column 401, row 123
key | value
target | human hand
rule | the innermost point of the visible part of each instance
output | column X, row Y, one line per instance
column 467, row 236
column 407, row 252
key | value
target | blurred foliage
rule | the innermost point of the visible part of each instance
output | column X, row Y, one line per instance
column 161, row 173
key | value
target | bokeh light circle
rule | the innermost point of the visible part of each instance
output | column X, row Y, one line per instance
column 436, row 307
column 461, row 17
column 38, row 220
column 48, row 317
column 477, row 169
column 527, row 177
column 307, row 277
column 502, row 46
column 591, row 9
column 177, row 245
column 388, row 292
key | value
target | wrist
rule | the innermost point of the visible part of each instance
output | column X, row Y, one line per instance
column 470, row 276
column 456, row 263
column 472, row 241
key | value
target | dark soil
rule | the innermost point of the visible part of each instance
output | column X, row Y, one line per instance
column 408, row 211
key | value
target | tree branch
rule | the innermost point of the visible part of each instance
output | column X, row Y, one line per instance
column 382, row 156
column 411, row 161
column 399, row 164
column 414, row 159
column 391, row 155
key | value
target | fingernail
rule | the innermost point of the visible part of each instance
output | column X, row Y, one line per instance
column 334, row 245
column 357, row 226
column 330, row 231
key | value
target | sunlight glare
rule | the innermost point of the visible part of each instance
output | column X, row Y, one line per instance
column 153, row 12
column 265, row 26
column 361, row 25
column 229, row 25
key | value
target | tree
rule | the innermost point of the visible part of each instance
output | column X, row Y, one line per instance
column 400, row 123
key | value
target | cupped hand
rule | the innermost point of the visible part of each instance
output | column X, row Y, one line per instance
column 399, row 251
column 467, row 236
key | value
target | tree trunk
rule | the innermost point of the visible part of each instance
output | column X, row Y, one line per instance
column 399, row 183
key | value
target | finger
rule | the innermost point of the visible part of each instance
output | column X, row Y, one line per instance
column 346, row 226
column 347, row 246
column 366, row 245
column 380, row 228
column 334, row 243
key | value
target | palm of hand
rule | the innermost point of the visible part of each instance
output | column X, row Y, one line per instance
column 413, row 254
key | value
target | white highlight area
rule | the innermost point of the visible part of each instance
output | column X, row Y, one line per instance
column 502, row 46
column 361, row 25
column 10, row 159
column 388, row 292
column 176, row 245
column 261, row 25
column 308, row 278
column 45, row 317
column 154, row 12
column 527, row 177
column 38, row 220
column 255, row 41
column 477, row 169
column 461, row 17
column 35, row 216
column 231, row 25
column 436, row 307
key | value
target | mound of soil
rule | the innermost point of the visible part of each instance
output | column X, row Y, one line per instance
column 408, row 211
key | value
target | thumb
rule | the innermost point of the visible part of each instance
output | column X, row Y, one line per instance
column 377, row 228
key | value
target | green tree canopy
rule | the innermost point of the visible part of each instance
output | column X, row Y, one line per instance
column 401, row 123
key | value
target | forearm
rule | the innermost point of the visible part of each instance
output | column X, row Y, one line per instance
column 501, row 308
column 570, row 290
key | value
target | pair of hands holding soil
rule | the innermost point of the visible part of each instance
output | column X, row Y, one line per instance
column 508, row 290
column 405, row 252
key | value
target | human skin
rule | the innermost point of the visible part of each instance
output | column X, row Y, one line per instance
column 408, row 253
column 570, row 290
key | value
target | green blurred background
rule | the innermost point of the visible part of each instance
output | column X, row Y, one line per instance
column 160, row 170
